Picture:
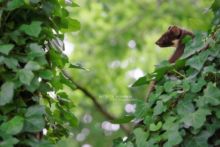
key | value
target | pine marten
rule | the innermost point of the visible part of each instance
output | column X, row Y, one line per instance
column 172, row 37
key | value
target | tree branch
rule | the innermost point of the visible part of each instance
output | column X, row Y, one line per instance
column 95, row 102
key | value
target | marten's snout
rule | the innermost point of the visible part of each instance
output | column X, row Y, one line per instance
column 157, row 42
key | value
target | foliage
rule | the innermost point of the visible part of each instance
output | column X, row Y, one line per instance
column 31, row 78
column 109, row 28
column 183, row 110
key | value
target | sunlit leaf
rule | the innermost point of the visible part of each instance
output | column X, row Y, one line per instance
column 13, row 126
column 6, row 48
column 33, row 29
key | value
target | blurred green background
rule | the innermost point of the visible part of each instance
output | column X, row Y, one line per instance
column 116, row 44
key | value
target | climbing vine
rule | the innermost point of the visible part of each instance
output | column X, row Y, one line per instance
column 31, row 72
column 184, row 108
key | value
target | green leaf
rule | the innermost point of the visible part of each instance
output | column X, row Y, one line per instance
column 159, row 108
column 9, row 142
column 71, row 118
column 196, row 87
column 197, row 118
column 174, row 138
column 11, row 63
column 75, row 5
column 198, row 61
column 185, row 107
column 32, row 65
column 215, row 6
column 35, row 1
column 142, row 109
column 34, row 85
column 58, row 59
column 25, row 76
column 35, row 51
column 200, row 140
column 78, row 66
column 7, row 92
column 34, row 123
column 33, row 29
column 124, row 119
column 67, row 82
column 13, row 126
column 14, row 4
column 155, row 127
column 36, row 110
column 141, row 137
column 193, row 46
column 6, row 48
column 168, row 86
column 46, row 74
column 211, row 96
column 72, row 25
column 141, row 81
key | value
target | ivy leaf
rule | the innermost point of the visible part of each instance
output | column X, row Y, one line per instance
column 194, row 46
column 74, row 4
column 35, row 51
column 33, row 29
column 159, row 108
column 72, row 25
column 196, row 87
column 32, row 65
column 197, row 61
column 46, row 74
column 78, row 66
column 58, row 59
column 7, row 92
column 168, row 86
column 34, row 85
column 11, row 63
column 141, row 81
column 35, row 1
column 211, row 96
column 185, row 107
column 6, row 48
column 25, row 76
column 9, row 142
column 67, row 82
column 71, row 118
column 142, row 109
column 155, row 127
column 13, row 126
column 141, row 137
column 14, row 4
column 34, row 123
column 36, row 110
column 197, row 118
column 174, row 138
column 124, row 119
column 201, row 140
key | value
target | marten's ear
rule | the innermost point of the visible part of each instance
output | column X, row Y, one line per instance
column 175, row 30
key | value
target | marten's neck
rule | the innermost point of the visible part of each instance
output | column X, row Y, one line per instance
column 179, row 46
column 178, row 52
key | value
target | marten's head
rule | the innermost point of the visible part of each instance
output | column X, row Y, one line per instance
column 170, row 37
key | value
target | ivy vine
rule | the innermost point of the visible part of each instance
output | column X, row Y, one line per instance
column 184, row 108
column 31, row 64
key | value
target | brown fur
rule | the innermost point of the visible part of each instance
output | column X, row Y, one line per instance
column 172, row 37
